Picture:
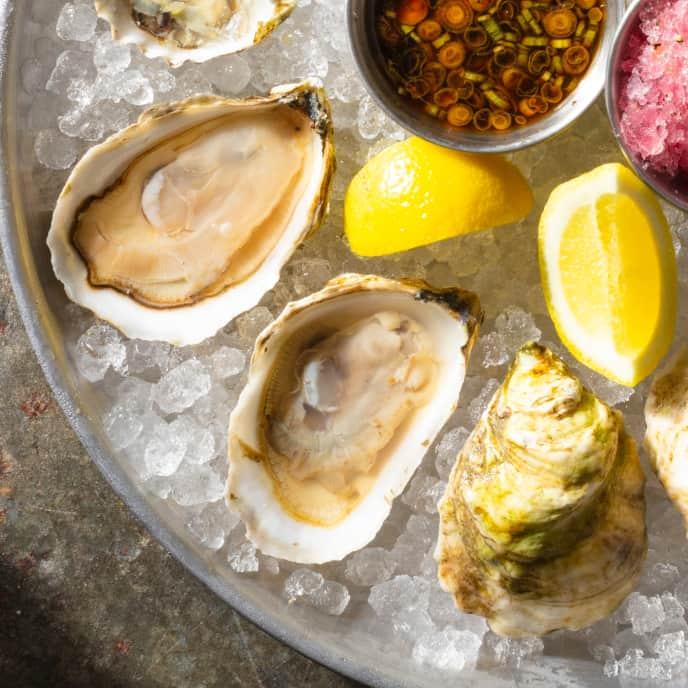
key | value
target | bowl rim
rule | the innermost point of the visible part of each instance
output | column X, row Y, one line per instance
column 611, row 97
column 507, row 142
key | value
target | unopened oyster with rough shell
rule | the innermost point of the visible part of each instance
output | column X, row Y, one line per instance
column 543, row 520
column 196, row 30
column 666, row 439
column 347, row 390
column 177, row 224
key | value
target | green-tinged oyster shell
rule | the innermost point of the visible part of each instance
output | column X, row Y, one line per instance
column 543, row 521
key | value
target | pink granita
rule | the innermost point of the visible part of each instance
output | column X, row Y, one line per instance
column 654, row 90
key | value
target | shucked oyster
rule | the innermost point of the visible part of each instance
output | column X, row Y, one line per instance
column 542, row 526
column 347, row 390
column 666, row 440
column 172, row 227
column 197, row 30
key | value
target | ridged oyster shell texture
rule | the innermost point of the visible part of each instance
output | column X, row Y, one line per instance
column 542, row 526
column 171, row 406
column 666, row 439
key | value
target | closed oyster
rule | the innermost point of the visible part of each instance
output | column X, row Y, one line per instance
column 666, row 439
column 347, row 390
column 175, row 225
column 543, row 521
column 196, row 30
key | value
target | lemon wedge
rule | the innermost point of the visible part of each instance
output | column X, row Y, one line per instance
column 415, row 193
column 609, row 272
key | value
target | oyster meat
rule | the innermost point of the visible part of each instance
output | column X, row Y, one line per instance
column 347, row 390
column 542, row 525
column 666, row 439
column 196, row 30
column 177, row 224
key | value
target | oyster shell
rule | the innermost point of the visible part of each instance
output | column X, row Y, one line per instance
column 666, row 439
column 196, row 30
column 347, row 390
column 175, row 225
column 542, row 526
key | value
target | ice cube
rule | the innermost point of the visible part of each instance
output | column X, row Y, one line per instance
column 310, row 587
column 673, row 609
column 76, row 22
column 54, row 150
column 370, row 566
column 227, row 362
column 79, row 124
column 243, row 559
column 331, row 598
column 308, row 274
column 229, row 74
column 200, row 441
column 348, row 88
column 251, row 324
column 517, row 327
column 182, row 387
column 122, row 426
column 411, row 546
column 302, row 582
column 33, row 76
column 635, row 665
column 70, row 66
column 196, row 484
column 423, row 493
column 215, row 407
column 514, row 651
column 480, row 403
column 165, row 450
column 371, row 119
column 98, row 349
column 143, row 355
column 270, row 565
column 110, row 57
column 207, row 529
column 447, row 451
column 644, row 613
column 403, row 602
column 671, row 648
column 447, row 650
column 134, row 394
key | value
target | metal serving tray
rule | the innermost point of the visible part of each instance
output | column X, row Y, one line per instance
column 26, row 199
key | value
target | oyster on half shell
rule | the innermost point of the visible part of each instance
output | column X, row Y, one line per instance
column 347, row 389
column 175, row 225
column 666, row 439
column 196, row 30
column 542, row 525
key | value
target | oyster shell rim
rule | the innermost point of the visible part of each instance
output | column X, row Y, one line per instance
column 246, row 474
column 124, row 29
column 138, row 320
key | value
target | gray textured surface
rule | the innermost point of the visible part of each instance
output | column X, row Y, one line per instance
column 87, row 598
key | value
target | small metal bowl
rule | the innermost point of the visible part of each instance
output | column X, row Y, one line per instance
column 673, row 189
column 361, row 23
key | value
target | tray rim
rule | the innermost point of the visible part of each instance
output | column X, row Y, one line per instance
column 30, row 301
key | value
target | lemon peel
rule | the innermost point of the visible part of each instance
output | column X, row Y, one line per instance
column 609, row 274
column 416, row 193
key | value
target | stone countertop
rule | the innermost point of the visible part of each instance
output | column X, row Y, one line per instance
column 87, row 597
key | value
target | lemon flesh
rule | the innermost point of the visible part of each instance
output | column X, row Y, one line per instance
column 609, row 272
column 415, row 193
